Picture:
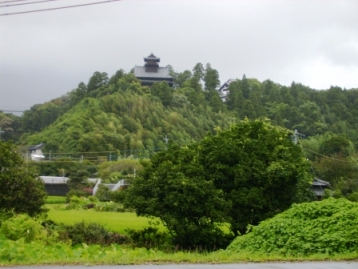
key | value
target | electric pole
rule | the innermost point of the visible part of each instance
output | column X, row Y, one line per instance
column 1, row 133
column 295, row 136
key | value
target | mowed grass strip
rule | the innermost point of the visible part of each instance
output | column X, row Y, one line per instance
column 113, row 221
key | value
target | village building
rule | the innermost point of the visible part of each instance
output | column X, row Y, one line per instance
column 35, row 152
column 224, row 90
column 151, row 72
column 318, row 187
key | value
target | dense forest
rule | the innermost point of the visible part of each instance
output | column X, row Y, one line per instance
column 118, row 116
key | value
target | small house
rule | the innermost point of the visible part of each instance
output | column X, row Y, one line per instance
column 318, row 187
column 35, row 152
column 224, row 90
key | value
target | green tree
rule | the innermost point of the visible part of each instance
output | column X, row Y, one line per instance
column 337, row 144
column 180, row 78
column 211, row 78
column 163, row 91
column 198, row 72
column 172, row 187
column 97, row 80
column 258, row 168
column 78, row 179
column 21, row 190
column 242, row 175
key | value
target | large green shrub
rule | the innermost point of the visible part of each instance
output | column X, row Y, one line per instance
column 328, row 226
column 92, row 233
column 23, row 226
column 21, row 190
column 81, row 202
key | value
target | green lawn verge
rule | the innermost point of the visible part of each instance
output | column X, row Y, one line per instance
column 114, row 221
column 39, row 253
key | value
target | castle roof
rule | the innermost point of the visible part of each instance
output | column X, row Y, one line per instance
column 152, row 57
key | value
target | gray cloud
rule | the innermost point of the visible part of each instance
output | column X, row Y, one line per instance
column 44, row 55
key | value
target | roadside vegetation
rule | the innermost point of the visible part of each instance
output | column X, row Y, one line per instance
column 241, row 194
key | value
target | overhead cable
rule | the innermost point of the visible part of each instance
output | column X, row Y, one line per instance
column 56, row 8
column 27, row 3
column 3, row 2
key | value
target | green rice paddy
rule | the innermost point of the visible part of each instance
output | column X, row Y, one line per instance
column 114, row 221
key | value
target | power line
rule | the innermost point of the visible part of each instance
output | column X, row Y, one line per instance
column 3, row 2
column 334, row 159
column 56, row 8
column 28, row 3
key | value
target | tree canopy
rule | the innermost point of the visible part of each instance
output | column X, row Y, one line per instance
column 239, row 176
column 21, row 190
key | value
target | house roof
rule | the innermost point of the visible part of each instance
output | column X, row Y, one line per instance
column 152, row 57
column 320, row 182
column 163, row 72
column 39, row 146
column 225, row 85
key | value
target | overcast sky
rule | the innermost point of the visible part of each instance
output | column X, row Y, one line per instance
column 44, row 55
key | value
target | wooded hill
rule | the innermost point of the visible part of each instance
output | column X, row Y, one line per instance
column 118, row 114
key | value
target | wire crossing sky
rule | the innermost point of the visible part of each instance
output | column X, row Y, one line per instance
column 44, row 55
column 50, row 9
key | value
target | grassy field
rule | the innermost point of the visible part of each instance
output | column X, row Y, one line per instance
column 56, row 200
column 114, row 221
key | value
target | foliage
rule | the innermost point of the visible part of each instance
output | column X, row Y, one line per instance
column 37, row 253
column 334, row 160
column 353, row 196
column 258, row 169
column 243, row 175
column 103, row 193
column 172, row 187
column 62, row 167
column 118, row 169
column 92, row 233
column 10, row 126
column 76, row 193
column 21, row 190
column 78, row 179
column 81, row 202
column 149, row 237
column 329, row 226
column 23, row 226
column 119, row 195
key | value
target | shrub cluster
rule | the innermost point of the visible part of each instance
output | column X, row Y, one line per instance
column 149, row 237
column 93, row 202
column 328, row 226
column 23, row 227
column 91, row 233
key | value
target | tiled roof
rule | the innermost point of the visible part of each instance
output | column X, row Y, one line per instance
column 39, row 146
column 152, row 57
column 320, row 182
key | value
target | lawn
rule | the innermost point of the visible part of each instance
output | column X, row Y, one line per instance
column 114, row 221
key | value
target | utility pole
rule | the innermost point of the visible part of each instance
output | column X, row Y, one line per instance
column 166, row 141
column 295, row 136
column 1, row 133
